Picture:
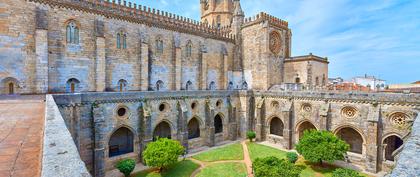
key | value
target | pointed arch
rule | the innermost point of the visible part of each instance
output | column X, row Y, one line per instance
column 391, row 144
column 162, row 130
column 193, row 128
column 276, row 126
column 72, row 85
column 10, row 85
column 188, row 48
column 121, row 142
column 122, row 85
column 189, row 85
column 72, row 32
column 218, row 124
column 160, row 85
column 353, row 137
column 303, row 126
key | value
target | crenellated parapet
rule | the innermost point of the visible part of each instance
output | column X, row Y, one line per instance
column 134, row 13
column 273, row 21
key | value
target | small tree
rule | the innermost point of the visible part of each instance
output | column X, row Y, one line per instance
column 162, row 153
column 317, row 146
column 126, row 166
column 344, row 172
column 274, row 167
column 292, row 157
column 251, row 135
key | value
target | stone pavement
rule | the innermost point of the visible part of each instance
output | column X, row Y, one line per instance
column 21, row 133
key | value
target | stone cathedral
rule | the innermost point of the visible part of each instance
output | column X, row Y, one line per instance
column 122, row 73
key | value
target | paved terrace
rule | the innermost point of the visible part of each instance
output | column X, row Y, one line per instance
column 21, row 135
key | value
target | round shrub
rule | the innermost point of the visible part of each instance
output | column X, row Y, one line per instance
column 274, row 167
column 292, row 157
column 344, row 172
column 126, row 166
column 162, row 153
column 317, row 146
column 251, row 135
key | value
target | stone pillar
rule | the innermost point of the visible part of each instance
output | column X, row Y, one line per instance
column 146, row 129
column 209, row 112
column 41, row 51
column 260, row 117
column 288, row 128
column 100, row 63
column 225, row 72
column 144, row 63
column 372, row 139
column 203, row 68
column 99, row 126
column 178, row 69
column 324, row 114
column 182, row 124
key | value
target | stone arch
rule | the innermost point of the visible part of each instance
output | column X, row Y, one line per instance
column 230, row 85
column 244, row 85
column 162, row 130
column 353, row 137
column 72, row 85
column 218, row 123
column 212, row 85
column 10, row 85
column 160, row 85
column 121, row 142
column 304, row 125
column 391, row 143
column 122, row 85
column 276, row 126
column 193, row 128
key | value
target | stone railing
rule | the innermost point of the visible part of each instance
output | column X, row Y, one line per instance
column 408, row 161
column 134, row 13
column 60, row 156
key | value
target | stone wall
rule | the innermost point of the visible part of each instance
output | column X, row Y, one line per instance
column 60, row 155
column 93, row 117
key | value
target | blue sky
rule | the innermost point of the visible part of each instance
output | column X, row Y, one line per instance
column 376, row 37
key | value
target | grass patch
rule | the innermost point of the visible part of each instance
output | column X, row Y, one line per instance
column 230, row 152
column 228, row 169
column 311, row 169
column 181, row 169
column 260, row 151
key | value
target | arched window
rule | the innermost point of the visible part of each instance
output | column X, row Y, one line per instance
column 11, row 88
column 159, row 85
column 189, row 85
column 353, row 138
column 162, row 130
column 121, row 40
column 392, row 143
column 297, row 80
column 121, row 142
column 159, row 46
column 188, row 49
column 72, row 85
column 193, row 128
column 304, row 127
column 218, row 21
column 72, row 33
column 212, row 85
column 218, row 124
column 316, row 81
column 276, row 126
column 244, row 85
column 122, row 85
column 230, row 86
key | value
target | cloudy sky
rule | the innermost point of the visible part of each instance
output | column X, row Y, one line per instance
column 375, row 37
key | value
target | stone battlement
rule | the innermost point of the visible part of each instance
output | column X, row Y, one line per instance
column 266, row 17
column 134, row 13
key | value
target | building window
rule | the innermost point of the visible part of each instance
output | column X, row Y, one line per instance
column 189, row 85
column 72, row 33
column 72, row 85
column 121, row 40
column 244, row 85
column 212, row 85
column 193, row 129
column 11, row 88
column 297, row 80
column 159, row 85
column 316, row 81
column 159, row 46
column 189, row 49
column 323, row 80
column 218, row 124
column 218, row 21
column 122, row 85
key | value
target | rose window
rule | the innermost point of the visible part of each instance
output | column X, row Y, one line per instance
column 399, row 119
column 275, row 42
column 349, row 112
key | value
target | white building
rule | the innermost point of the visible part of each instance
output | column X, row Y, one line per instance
column 370, row 81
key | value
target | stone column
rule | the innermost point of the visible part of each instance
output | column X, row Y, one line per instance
column 182, row 124
column 203, row 68
column 178, row 69
column 210, row 124
column 288, row 129
column 100, row 63
column 372, row 140
column 145, row 124
column 144, row 63
column 324, row 114
column 260, row 116
column 225, row 72
column 41, row 51
column 99, row 126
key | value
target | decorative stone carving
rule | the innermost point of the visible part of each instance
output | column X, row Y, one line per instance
column 275, row 42
column 349, row 112
column 306, row 107
column 275, row 104
column 400, row 120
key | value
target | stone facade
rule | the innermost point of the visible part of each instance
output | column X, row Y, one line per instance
column 365, row 121
column 84, row 46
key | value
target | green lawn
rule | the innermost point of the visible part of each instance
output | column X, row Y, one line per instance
column 181, row 169
column 228, row 169
column 258, row 151
column 229, row 152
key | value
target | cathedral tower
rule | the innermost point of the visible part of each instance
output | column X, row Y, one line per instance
column 217, row 13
